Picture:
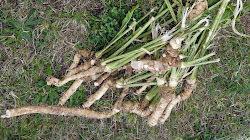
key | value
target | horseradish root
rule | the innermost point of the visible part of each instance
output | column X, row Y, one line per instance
column 55, row 110
column 188, row 88
column 167, row 94
column 99, row 93
column 90, row 72
column 70, row 91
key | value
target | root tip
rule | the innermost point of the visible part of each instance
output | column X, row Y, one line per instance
column 7, row 115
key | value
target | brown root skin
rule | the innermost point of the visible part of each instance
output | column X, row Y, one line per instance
column 78, row 69
column 101, row 79
column 90, row 72
column 80, row 53
column 99, row 93
column 70, row 91
column 84, row 53
column 188, row 88
column 135, row 108
column 167, row 94
column 118, row 104
column 200, row 6
column 55, row 110
column 172, row 52
column 159, row 66
column 76, row 61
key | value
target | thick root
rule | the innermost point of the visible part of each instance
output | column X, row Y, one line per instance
column 78, row 69
column 55, row 110
column 200, row 6
column 135, row 108
column 90, row 72
column 101, row 79
column 188, row 88
column 172, row 52
column 118, row 104
column 167, row 94
column 70, row 91
column 141, row 89
column 76, row 61
column 84, row 53
column 77, row 57
column 99, row 93
column 157, row 66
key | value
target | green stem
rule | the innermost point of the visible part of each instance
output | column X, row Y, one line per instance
column 133, row 38
column 138, row 74
column 156, row 41
column 141, row 84
column 115, row 65
column 155, row 101
column 151, row 93
column 193, row 39
column 192, row 63
column 152, row 10
column 202, row 63
column 171, row 10
column 139, row 78
column 100, row 53
column 216, row 21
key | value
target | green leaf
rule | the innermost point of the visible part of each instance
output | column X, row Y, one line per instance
column 41, row 83
column 30, row 21
column 37, row 99
column 51, row 97
column 126, row 20
column 28, row 36
column 9, row 41
column 171, row 10
column 16, row 24
column 49, row 70
column 218, row 71
column 45, row 98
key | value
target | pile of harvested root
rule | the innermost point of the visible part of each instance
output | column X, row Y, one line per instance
column 166, row 52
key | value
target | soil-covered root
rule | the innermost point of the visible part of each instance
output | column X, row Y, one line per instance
column 100, row 92
column 90, row 72
column 170, row 51
column 131, row 107
column 167, row 94
column 141, row 89
column 199, row 7
column 188, row 88
column 55, row 110
column 70, row 91
column 157, row 66
column 80, row 53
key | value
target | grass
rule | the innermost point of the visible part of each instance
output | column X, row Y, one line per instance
column 219, row 108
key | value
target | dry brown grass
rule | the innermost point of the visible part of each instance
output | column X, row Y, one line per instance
column 217, row 109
